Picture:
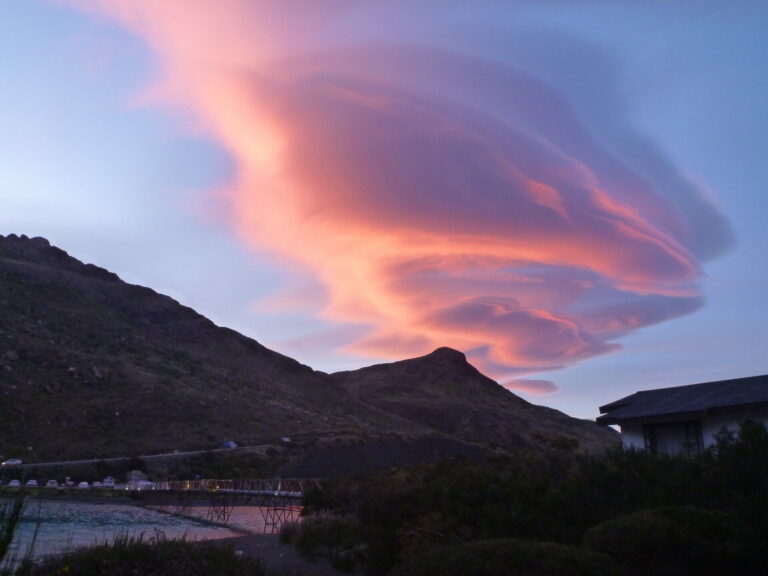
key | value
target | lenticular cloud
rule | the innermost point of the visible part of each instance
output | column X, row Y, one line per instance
column 443, row 199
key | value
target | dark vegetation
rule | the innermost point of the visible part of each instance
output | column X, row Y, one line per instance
column 628, row 512
column 508, row 556
column 10, row 515
column 556, row 514
column 156, row 557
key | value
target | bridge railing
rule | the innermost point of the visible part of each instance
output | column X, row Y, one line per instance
column 284, row 486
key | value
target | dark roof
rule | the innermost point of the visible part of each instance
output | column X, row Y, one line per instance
column 694, row 398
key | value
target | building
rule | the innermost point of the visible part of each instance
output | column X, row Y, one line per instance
column 685, row 419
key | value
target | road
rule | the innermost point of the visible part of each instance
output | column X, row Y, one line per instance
column 166, row 455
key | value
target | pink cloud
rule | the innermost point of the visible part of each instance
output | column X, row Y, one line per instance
column 438, row 198
column 522, row 337
column 532, row 386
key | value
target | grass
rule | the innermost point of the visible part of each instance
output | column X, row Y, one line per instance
column 157, row 556
column 10, row 516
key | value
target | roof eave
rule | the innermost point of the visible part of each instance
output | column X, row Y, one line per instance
column 607, row 420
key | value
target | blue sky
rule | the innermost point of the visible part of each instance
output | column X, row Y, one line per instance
column 275, row 177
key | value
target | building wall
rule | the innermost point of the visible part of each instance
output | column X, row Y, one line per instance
column 632, row 436
column 714, row 424
column 632, row 433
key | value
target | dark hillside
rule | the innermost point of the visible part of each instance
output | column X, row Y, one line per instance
column 92, row 363
column 92, row 366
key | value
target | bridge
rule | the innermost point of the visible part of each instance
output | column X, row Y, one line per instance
column 278, row 499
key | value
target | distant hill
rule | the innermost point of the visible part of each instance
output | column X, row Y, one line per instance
column 92, row 366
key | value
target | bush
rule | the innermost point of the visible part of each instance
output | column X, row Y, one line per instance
column 710, row 509
column 333, row 537
column 289, row 532
column 505, row 557
column 671, row 540
column 129, row 556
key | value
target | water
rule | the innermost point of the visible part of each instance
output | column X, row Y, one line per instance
column 249, row 519
column 68, row 524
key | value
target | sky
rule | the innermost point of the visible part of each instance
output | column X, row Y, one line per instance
column 571, row 193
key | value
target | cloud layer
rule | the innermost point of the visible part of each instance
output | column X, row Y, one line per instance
column 441, row 198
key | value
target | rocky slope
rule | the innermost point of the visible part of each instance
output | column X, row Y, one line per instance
column 92, row 366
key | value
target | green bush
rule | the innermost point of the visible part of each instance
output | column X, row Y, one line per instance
column 505, row 557
column 129, row 557
column 671, row 540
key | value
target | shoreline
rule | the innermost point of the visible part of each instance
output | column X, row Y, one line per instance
column 276, row 557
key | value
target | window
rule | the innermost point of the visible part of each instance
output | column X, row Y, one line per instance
column 674, row 438
column 693, row 440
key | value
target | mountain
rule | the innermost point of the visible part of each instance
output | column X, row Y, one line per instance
column 444, row 393
column 93, row 366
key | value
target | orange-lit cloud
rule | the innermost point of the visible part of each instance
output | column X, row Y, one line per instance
column 440, row 199
column 533, row 386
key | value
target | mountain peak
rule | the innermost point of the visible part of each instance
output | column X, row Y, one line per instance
column 24, row 246
column 446, row 360
column 444, row 371
column 38, row 250
column 445, row 353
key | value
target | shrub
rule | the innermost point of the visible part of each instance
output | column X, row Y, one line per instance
column 129, row 556
column 289, row 532
column 333, row 537
column 407, row 511
column 670, row 540
column 506, row 557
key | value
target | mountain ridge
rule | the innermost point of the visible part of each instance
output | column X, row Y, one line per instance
column 91, row 364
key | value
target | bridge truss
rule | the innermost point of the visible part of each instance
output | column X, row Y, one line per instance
column 278, row 500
